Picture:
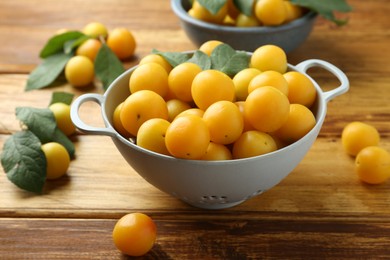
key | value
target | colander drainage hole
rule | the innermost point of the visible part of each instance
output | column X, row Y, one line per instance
column 254, row 194
column 213, row 199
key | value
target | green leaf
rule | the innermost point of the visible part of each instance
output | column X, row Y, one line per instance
column 61, row 138
column 42, row 123
column 202, row 59
column 221, row 55
column 238, row 62
column 56, row 43
column 61, row 97
column 173, row 58
column 47, row 72
column 70, row 45
column 326, row 8
column 212, row 6
column 224, row 58
column 245, row 6
column 107, row 66
column 24, row 161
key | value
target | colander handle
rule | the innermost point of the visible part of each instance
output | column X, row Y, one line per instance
column 344, row 82
column 80, row 124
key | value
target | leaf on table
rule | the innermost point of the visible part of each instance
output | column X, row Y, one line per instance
column 326, row 8
column 212, row 6
column 107, row 66
column 224, row 58
column 61, row 138
column 56, row 43
column 42, row 123
column 47, row 72
column 61, row 97
column 244, row 6
column 201, row 59
column 173, row 58
column 71, row 45
column 24, row 161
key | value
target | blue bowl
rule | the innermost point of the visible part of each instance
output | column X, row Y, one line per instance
column 288, row 36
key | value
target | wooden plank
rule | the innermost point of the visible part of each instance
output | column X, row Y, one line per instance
column 367, row 100
column 324, row 182
column 155, row 26
column 248, row 237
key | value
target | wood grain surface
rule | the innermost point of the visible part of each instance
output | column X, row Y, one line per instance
column 320, row 211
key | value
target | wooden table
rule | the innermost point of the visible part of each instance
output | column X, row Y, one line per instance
column 321, row 210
